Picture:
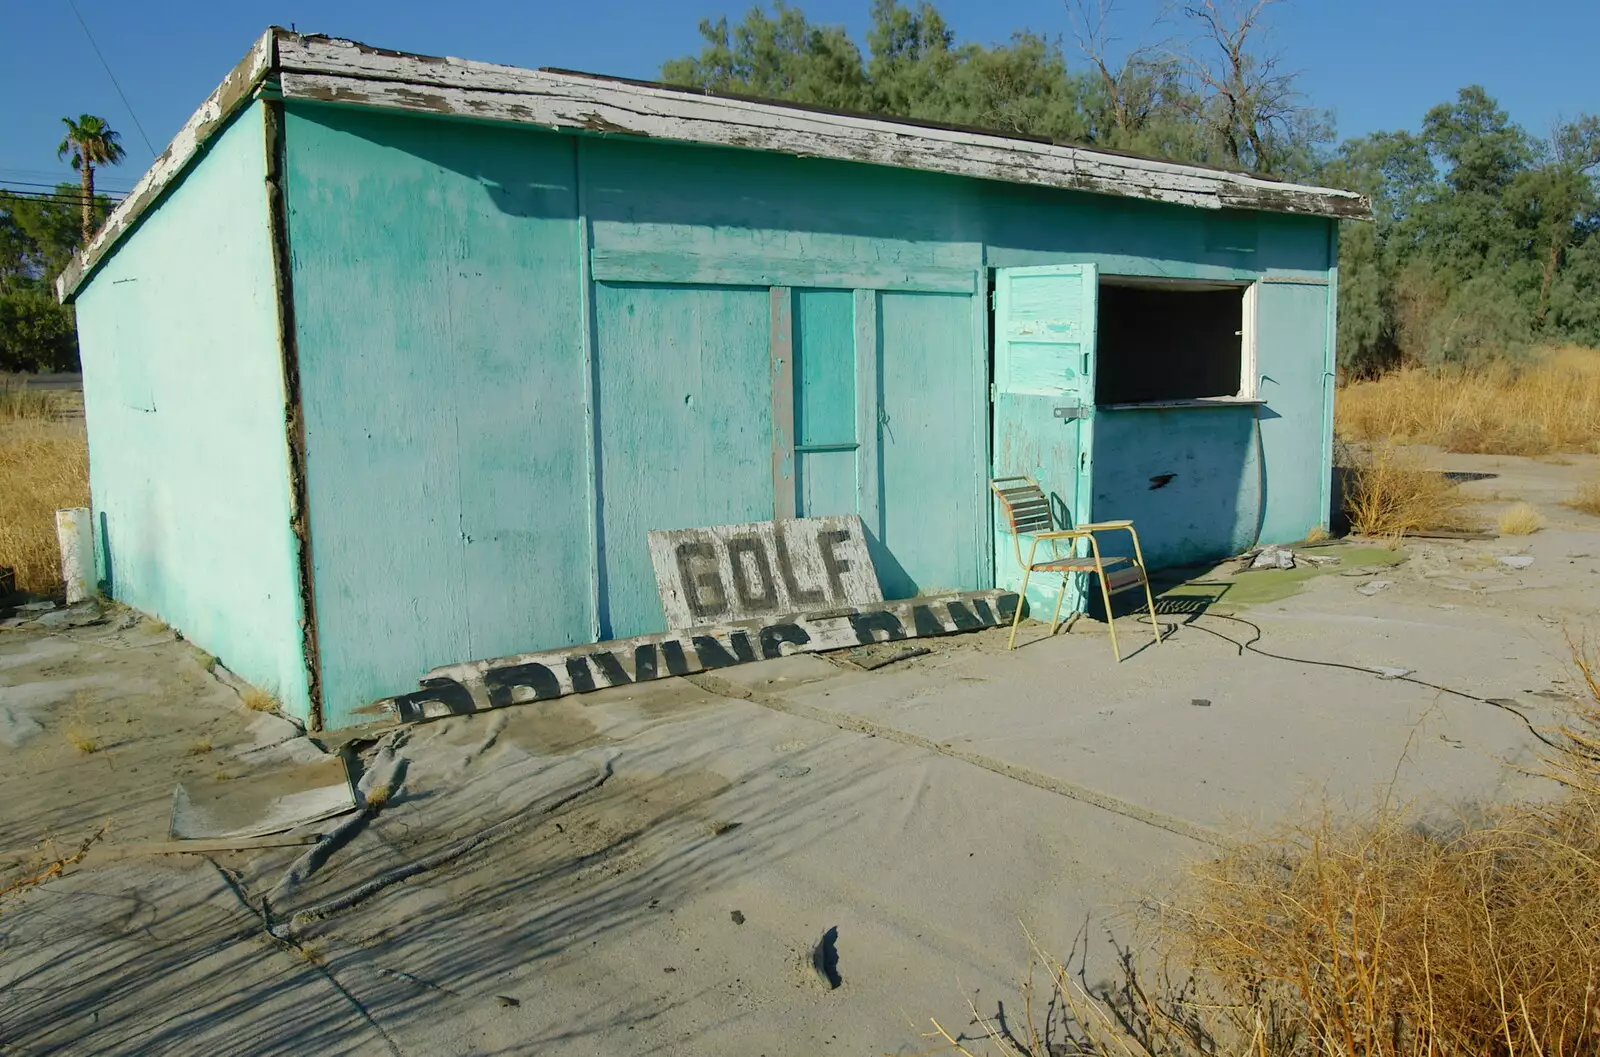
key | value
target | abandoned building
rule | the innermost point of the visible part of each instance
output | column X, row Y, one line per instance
column 392, row 361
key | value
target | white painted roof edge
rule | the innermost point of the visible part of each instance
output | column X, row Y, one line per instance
column 326, row 69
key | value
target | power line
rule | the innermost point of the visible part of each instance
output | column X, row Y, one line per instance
column 41, row 196
column 113, row 77
column 55, row 188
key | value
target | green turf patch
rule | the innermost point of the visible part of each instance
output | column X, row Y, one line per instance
column 1225, row 585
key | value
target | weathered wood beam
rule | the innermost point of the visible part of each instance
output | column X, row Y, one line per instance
column 458, row 689
column 347, row 72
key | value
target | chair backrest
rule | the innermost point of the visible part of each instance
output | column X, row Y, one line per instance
column 1026, row 507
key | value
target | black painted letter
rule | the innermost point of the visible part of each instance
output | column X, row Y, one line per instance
column 702, row 590
column 536, row 677
column 835, row 565
column 866, row 624
column 797, row 595
column 738, row 547
column 773, row 636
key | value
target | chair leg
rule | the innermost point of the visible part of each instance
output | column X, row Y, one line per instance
column 1144, row 574
column 1055, row 617
column 1016, row 618
column 1150, row 602
column 1105, row 593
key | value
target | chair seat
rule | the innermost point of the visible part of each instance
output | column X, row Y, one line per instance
column 1076, row 565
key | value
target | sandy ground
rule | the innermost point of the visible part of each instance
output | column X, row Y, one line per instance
column 662, row 860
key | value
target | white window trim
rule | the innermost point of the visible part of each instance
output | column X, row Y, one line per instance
column 1249, row 376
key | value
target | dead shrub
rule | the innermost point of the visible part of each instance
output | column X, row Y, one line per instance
column 1373, row 936
column 1520, row 519
column 1390, row 492
column 1586, row 499
column 1550, row 405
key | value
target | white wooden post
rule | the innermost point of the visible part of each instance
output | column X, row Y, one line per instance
column 75, row 530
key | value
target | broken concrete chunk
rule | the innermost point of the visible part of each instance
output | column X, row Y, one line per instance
column 36, row 607
column 1516, row 561
column 1273, row 557
column 1375, row 586
column 1318, row 559
column 78, row 616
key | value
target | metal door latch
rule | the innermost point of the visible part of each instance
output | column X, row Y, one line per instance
column 1072, row 412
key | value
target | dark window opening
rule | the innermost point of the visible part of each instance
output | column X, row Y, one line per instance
column 1160, row 343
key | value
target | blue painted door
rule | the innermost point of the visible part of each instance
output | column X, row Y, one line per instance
column 684, row 425
column 1044, row 352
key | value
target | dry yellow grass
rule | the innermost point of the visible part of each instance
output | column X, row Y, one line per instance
column 1374, row 936
column 82, row 740
column 1520, row 519
column 1390, row 492
column 18, row 403
column 258, row 699
column 1550, row 406
column 44, row 466
column 1587, row 498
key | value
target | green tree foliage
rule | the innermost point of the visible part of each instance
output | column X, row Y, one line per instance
column 1483, row 242
column 1215, row 100
column 38, row 235
column 1486, row 239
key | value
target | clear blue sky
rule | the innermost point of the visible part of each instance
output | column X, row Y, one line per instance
column 1378, row 64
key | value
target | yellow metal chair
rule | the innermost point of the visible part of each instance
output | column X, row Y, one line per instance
column 1028, row 513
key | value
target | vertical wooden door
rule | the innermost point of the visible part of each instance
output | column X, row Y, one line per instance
column 1044, row 353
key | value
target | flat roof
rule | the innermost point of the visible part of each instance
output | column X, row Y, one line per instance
column 330, row 70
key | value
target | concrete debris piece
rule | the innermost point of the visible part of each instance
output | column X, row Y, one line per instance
column 1516, row 561
column 1375, row 586
column 36, row 607
column 259, row 806
column 1273, row 557
column 1201, row 702
column 81, row 615
column 1318, row 559
column 267, row 731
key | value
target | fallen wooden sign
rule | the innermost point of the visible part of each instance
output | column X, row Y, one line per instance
column 475, row 686
column 760, row 569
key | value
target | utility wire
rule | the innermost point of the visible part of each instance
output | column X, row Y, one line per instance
column 113, row 77
column 55, row 188
column 45, row 196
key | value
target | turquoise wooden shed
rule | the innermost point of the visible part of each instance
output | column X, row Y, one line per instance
column 392, row 361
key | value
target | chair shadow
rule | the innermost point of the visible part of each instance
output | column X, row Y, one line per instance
column 1176, row 596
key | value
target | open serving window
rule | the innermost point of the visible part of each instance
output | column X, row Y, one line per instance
column 1165, row 342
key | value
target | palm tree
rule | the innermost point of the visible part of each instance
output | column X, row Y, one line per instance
column 90, row 142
